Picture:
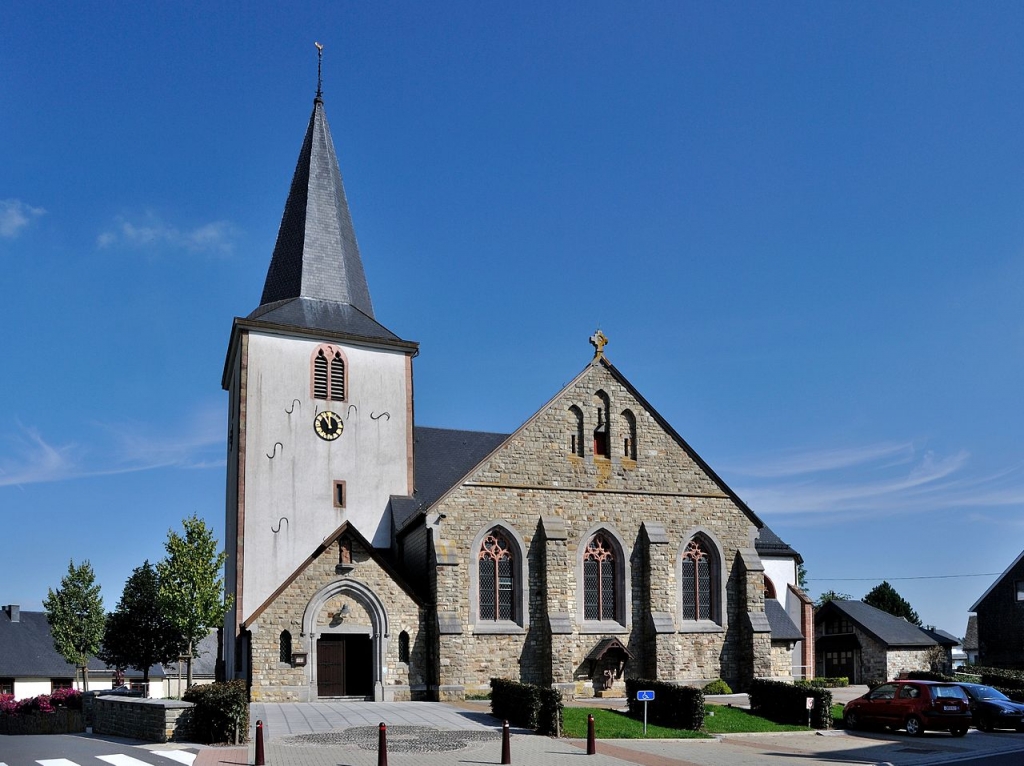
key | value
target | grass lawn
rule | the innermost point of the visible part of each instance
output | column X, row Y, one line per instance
column 613, row 724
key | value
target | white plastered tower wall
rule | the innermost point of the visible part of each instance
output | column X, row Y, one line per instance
column 290, row 503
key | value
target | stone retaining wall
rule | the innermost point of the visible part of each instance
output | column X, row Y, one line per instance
column 146, row 719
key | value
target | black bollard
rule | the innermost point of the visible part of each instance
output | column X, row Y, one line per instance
column 591, row 741
column 506, row 747
column 260, row 758
column 382, row 745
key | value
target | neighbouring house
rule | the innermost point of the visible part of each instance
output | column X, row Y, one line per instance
column 971, row 641
column 864, row 644
column 372, row 557
column 204, row 668
column 1000, row 620
column 30, row 665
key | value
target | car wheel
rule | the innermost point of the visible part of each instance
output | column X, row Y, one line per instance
column 914, row 726
column 985, row 724
column 959, row 732
column 851, row 720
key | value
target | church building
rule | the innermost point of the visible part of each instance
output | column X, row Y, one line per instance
column 373, row 558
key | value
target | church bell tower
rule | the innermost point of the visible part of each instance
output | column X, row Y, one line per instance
column 320, row 427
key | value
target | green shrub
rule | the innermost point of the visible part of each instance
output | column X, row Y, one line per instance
column 1004, row 679
column 823, row 683
column 526, row 705
column 678, row 707
column 221, row 712
column 718, row 686
column 927, row 675
column 787, row 703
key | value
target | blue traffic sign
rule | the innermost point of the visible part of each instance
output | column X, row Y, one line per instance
column 645, row 696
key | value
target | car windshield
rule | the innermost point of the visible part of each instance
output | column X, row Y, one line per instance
column 988, row 693
column 948, row 691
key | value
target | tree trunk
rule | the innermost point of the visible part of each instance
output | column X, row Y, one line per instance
column 188, row 666
column 85, row 678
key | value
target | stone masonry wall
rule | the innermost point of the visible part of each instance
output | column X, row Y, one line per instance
column 273, row 680
column 536, row 476
column 150, row 720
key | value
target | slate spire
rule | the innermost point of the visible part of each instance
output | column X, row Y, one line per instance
column 316, row 257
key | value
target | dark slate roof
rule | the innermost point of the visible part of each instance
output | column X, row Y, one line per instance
column 782, row 625
column 205, row 665
column 888, row 629
column 27, row 651
column 443, row 457
column 942, row 637
column 770, row 544
column 324, row 316
column 971, row 636
column 316, row 255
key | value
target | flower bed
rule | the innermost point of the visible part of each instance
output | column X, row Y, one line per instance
column 57, row 713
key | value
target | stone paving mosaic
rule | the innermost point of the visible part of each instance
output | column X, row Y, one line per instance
column 401, row 739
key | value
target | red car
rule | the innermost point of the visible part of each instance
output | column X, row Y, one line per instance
column 916, row 706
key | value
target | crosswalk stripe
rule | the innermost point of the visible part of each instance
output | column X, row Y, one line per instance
column 57, row 762
column 181, row 756
column 119, row 759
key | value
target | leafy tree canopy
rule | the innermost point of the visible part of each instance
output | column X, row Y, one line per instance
column 831, row 595
column 75, row 614
column 138, row 634
column 885, row 597
column 191, row 591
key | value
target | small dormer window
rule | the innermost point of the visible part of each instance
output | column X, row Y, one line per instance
column 329, row 373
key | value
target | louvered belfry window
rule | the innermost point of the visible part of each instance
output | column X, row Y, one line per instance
column 497, row 582
column 599, row 579
column 698, row 596
column 328, row 374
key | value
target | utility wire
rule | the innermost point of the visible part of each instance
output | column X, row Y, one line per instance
column 917, row 577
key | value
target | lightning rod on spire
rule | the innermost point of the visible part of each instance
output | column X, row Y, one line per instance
column 319, row 69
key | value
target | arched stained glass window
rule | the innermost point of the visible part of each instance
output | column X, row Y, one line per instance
column 496, row 562
column 698, row 581
column 599, row 592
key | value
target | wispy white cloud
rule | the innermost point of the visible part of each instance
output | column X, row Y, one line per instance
column 796, row 462
column 872, row 481
column 216, row 237
column 15, row 215
column 28, row 458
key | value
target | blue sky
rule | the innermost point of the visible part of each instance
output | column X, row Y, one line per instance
column 800, row 225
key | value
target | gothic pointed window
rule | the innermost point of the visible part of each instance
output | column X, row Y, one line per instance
column 496, row 562
column 628, row 435
column 599, row 579
column 328, row 373
column 285, row 647
column 575, row 424
column 698, row 581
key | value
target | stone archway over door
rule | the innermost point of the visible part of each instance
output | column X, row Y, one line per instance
column 344, row 665
column 353, row 655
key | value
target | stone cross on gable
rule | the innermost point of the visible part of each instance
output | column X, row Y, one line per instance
column 598, row 341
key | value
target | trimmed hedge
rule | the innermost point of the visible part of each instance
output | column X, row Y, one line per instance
column 927, row 675
column 1004, row 679
column 823, row 683
column 675, row 706
column 526, row 705
column 787, row 703
column 221, row 712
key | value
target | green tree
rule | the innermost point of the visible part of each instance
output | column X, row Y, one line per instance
column 138, row 634
column 831, row 595
column 885, row 597
column 191, row 586
column 75, row 614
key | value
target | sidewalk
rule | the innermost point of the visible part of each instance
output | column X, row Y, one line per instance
column 438, row 734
